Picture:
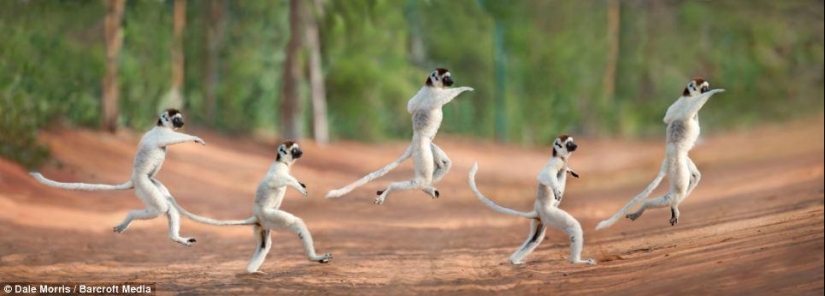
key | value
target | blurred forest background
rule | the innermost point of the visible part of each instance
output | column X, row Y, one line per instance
column 335, row 69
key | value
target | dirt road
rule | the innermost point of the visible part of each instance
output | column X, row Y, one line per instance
column 753, row 226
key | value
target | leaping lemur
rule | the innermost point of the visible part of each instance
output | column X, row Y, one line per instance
column 267, row 214
column 682, row 119
column 431, row 163
column 148, row 160
column 546, row 213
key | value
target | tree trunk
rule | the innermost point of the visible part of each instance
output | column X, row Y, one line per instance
column 290, row 101
column 320, row 126
column 214, row 33
column 113, row 36
column 595, row 114
column 179, row 22
column 609, row 80
column 501, row 82
column 647, row 84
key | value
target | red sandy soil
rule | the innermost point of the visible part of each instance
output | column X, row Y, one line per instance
column 754, row 225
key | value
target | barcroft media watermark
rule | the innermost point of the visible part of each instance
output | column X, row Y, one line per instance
column 78, row 288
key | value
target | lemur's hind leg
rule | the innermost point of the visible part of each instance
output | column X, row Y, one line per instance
column 537, row 232
column 442, row 163
column 174, row 228
column 281, row 219
column 172, row 215
column 652, row 203
column 424, row 167
column 146, row 214
column 695, row 176
column 415, row 183
column 560, row 219
column 263, row 242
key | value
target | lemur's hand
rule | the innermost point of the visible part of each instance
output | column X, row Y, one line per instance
column 303, row 188
column 557, row 194
column 573, row 173
column 467, row 88
column 199, row 140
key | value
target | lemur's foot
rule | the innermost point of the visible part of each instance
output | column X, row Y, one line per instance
column 633, row 216
column 186, row 241
column 120, row 228
column 432, row 192
column 257, row 273
column 673, row 221
column 519, row 262
column 378, row 201
column 589, row 261
column 324, row 258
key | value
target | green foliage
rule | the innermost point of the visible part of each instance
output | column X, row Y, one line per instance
column 365, row 50
column 376, row 53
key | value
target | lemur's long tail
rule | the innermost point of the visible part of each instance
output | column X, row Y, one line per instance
column 249, row 221
column 80, row 186
column 490, row 203
column 371, row 176
column 655, row 183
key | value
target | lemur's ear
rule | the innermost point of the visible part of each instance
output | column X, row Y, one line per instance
column 686, row 93
column 429, row 81
column 278, row 158
column 159, row 122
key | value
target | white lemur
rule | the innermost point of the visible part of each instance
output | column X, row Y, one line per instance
column 431, row 163
column 266, row 211
column 682, row 119
column 546, row 213
column 148, row 160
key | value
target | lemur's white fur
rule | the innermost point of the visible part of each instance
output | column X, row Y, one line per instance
column 682, row 119
column 148, row 160
column 266, row 212
column 546, row 213
column 431, row 163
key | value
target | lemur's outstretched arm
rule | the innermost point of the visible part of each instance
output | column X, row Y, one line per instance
column 448, row 94
column 301, row 187
column 289, row 180
column 173, row 138
column 694, row 105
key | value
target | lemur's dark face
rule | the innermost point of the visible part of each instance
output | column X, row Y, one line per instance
column 439, row 78
column 171, row 118
column 289, row 151
column 696, row 87
column 564, row 146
